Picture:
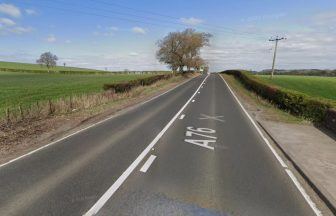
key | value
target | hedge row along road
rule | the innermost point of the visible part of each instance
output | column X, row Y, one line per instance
column 297, row 103
column 190, row 151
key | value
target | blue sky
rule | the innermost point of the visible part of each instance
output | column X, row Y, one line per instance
column 122, row 35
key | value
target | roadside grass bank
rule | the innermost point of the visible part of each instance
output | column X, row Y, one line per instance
column 30, row 133
column 27, row 90
column 321, row 87
column 261, row 108
column 316, row 110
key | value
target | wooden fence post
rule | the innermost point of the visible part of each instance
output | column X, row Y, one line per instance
column 50, row 107
column 7, row 116
column 21, row 112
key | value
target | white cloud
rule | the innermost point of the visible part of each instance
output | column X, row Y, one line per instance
column 7, row 22
column 10, row 10
column 134, row 54
column 113, row 28
column 8, row 26
column 51, row 38
column 191, row 21
column 107, row 31
column 68, row 41
column 21, row 30
column 30, row 11
column 138, row 30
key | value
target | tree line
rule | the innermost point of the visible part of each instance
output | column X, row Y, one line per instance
column 179, row 50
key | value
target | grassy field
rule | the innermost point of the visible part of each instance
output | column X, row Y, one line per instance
column 27, row 88
column 26, row 66
column 321, row 87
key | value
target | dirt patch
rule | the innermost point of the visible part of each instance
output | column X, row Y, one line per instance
column 26, row 135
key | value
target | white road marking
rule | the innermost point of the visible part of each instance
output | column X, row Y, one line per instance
column 215, row 118
column 114, row 187
column 290, row 174
column 193, row 101
column 88, row 127
column 182, row 116
column 149, row 162
column 283, row 164
column 304, row 193
column 199, row 92
column 202, row 143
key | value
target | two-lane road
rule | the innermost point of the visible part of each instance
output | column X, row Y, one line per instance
column 191, row 151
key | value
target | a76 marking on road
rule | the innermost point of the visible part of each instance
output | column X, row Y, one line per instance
column 202, row 137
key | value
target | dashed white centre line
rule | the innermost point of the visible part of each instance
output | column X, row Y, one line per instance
column 193, row 101
column 182, row 116
column 115, row 186
column 149, row 162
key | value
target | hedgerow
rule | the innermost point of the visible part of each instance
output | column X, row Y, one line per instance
column 294, row 102
column 127, row 86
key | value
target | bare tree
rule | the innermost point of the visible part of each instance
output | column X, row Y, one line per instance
column 48, row 59
column 197, row 63
column 182, row 49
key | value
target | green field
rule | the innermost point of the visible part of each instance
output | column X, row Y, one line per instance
column 26, row 66
column 321, row 87
column 27, row 88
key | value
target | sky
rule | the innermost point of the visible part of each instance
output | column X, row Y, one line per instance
column 122, row 34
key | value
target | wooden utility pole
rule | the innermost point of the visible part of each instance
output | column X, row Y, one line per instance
column 276, row 39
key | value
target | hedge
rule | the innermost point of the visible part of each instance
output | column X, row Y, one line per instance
column 126, row 86
column 294, row 102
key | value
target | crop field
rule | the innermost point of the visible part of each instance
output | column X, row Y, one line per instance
column 27, row 88
column 26, row 66
column 321, row 87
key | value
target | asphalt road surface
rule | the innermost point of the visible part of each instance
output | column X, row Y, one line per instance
column 191, row 151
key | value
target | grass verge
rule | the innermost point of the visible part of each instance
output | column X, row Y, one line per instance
column 260, row 107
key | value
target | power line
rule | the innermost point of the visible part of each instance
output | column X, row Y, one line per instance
column 147, row 20
column 173, row 18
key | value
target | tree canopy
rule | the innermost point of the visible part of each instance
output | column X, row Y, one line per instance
column 182, row 49
column 48, row 59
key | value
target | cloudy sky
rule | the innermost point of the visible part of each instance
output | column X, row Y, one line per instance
column 122, row 34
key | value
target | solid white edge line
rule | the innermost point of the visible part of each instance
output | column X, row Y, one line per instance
column 182, row 116
column 114, row 187
column 90, row 126
column 148, row 163
column 283, row 164
column 289, row 172
column 304, row 193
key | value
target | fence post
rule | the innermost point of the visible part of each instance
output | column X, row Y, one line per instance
column 38, row 107
column 21, row 112
column 71, row 103
column 7, row 115
column 50, row 107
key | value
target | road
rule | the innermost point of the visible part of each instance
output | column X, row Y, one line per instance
column 191, row 151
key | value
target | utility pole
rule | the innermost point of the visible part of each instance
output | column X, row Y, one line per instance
column 276, row 39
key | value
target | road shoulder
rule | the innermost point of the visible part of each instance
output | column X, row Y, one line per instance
column 311, row 151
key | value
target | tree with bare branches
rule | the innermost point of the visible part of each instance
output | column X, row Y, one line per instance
column 48, row 59
column 182, row 49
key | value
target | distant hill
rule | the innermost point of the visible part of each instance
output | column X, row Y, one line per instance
column 26, row 67
column 303, row 72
